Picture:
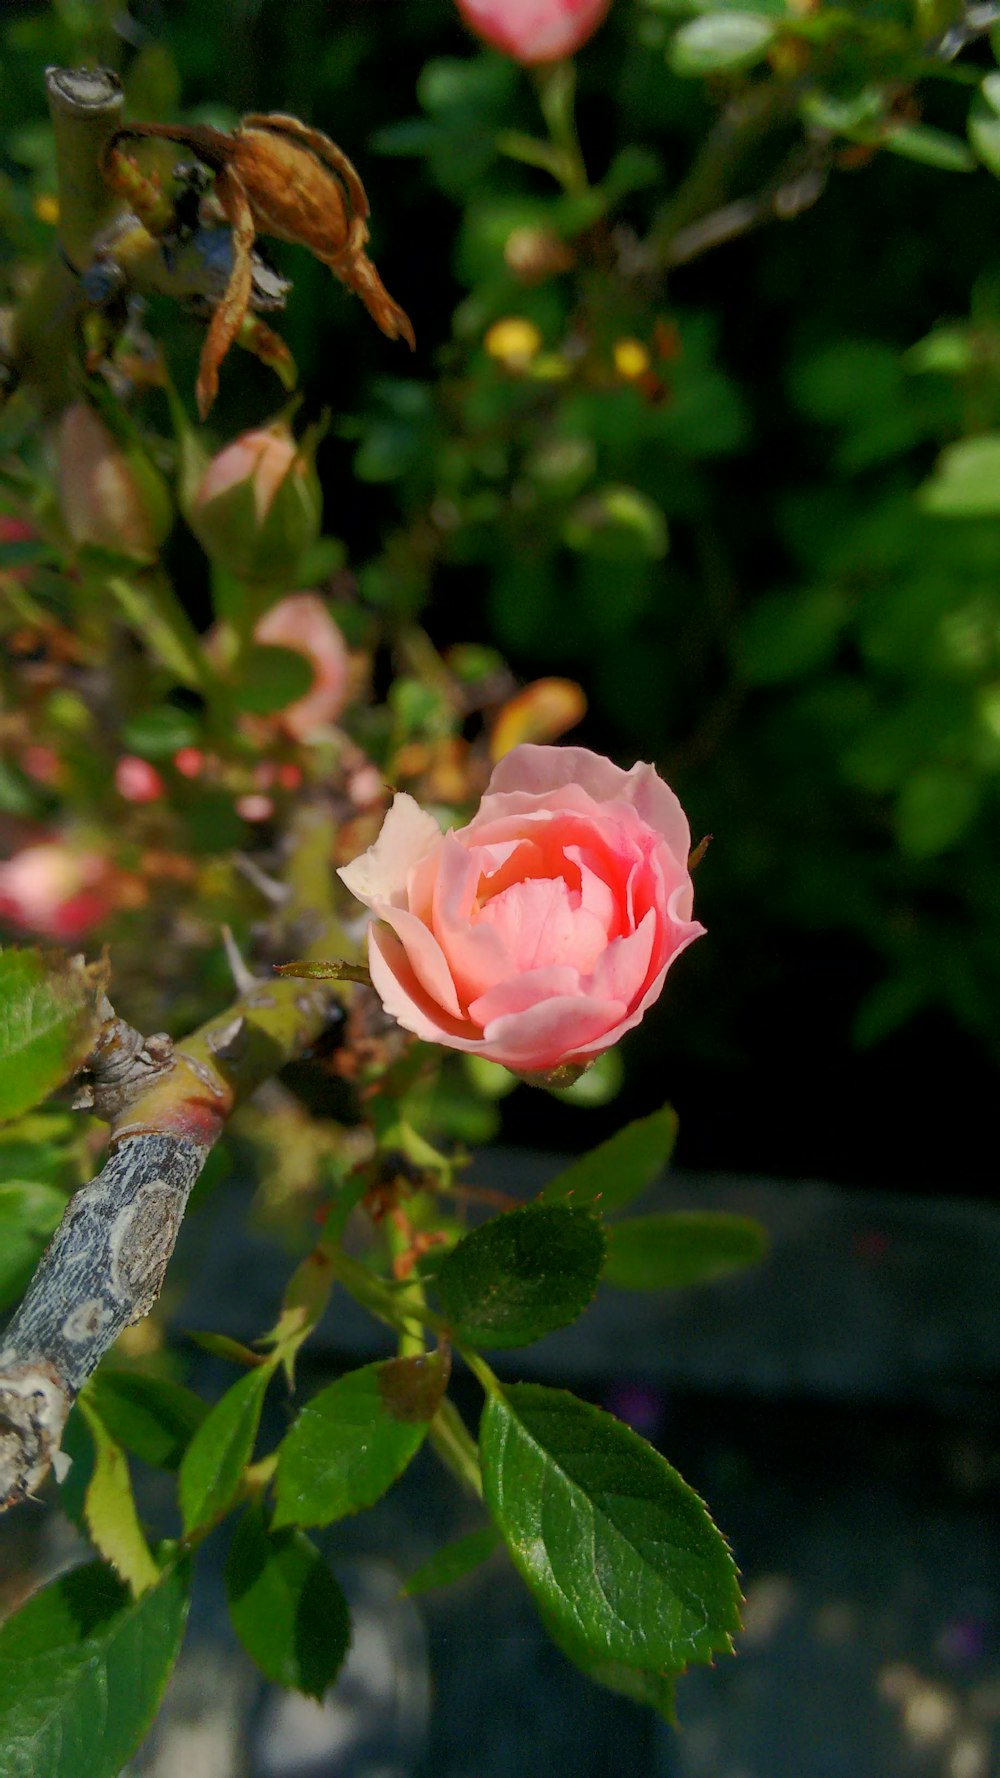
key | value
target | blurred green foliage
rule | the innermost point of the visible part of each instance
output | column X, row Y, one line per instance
column 752, row 502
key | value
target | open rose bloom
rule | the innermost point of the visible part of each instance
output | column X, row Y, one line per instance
column 540, row 933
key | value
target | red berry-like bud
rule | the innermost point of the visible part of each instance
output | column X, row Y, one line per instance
column 136, row 780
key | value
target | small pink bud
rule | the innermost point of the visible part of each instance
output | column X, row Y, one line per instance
column 262, row 458
column 257, row 506
column 51, row 890
column 189, row 761
column 254, row 807
column 302, row 622
column 41, row 763
column 534, row 30
column 136, row 780
column 364, row 787
column 109, row 498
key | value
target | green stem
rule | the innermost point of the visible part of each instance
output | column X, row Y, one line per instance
column 85, row 106
column 456, row 1447
column 556, row 87
column 481, row 1370
column 741, row 125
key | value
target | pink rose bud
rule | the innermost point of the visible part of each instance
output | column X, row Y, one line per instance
column 136, row 780
column 302, row 622
column 51, row 890
column 257, row 505
column 534, row 30
column 540, row 933
column 254, row 807
column 189, row 761
column 110, row 495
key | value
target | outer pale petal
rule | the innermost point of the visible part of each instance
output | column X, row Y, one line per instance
column 428, row 961
column 396, row 985
column 380, row 874
column 543, row 771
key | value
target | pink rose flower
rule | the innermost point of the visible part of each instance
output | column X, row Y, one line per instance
column 541, row 932
column 534, row 30
column 52, row 890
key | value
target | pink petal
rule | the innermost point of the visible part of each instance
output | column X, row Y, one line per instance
column 544, row 771
column 380, row 874
column 405, row 1000
column 520, row 992
column 427, row 960
column 553, row 1032
column 620, row 972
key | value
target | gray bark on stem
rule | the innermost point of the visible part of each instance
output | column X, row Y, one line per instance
column 102, row 1272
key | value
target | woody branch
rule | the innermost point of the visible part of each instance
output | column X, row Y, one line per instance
column 104, row 1267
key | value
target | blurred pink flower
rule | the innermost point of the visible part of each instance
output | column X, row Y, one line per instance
column 302, row 622
column 534, row 30
column 53, row 891
column 136, row 780
column 541, row 932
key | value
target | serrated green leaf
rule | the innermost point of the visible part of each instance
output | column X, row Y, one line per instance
column 152, row 1417
column 82, row 1671
column 615, row 1172
column 453, row 1562
column 354, row 1438
column 48, row 1023
column 522, row 1275
column 658, row 1690
column 610, row 1540
column 287, row 1609
column 29, row 1212
column 681, row 1247
column 720, row 42
column 109, row 1509
column 220, row 1450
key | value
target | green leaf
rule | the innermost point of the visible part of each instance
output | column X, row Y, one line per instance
column 935, row 809
column 658, row 1690
column 613, row 1544
column 984, row 123
column 681, row 1247
column 720, row 42
column 221, row 1449
column 109, row 1509
column 159, row 732
column 354, row 1438
column 82, row 1672
column 615, row 1172
column 48, row 1023
column 966, row 479
column 522, row 1275
column 287, row 1609
column 786, row 635
column 933, row 148
column 617, row 524
column 271, row 679
column 152, row 1417
column 454, row 1562
column 29, row 1212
